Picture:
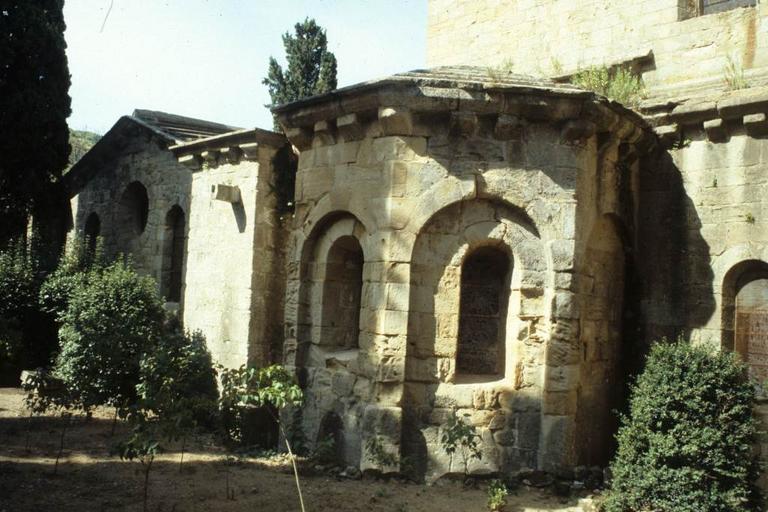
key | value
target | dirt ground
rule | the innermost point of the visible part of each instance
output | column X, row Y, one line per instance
column 89, row 478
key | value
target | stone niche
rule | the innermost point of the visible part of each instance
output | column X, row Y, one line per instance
column 458, row 249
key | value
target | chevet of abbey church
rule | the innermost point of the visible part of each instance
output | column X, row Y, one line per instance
column 480, row 237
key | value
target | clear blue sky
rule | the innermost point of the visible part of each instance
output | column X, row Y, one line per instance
column 206, row 58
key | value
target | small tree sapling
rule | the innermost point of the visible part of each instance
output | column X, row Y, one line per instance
column 268, row 387
column 461, row 437
column 142, row 445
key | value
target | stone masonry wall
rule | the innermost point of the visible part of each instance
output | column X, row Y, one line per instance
column 232, row 270
column 558, row 37
column 232, row 286
column 704, row 213
column 420, row 193
column 143, row 159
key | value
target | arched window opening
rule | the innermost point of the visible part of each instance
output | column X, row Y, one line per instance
column 342, row 292
column 482, row 312
column 173, row 254
column 92, row 231
column 330, row 439
column 134, row 209
column 751, row 321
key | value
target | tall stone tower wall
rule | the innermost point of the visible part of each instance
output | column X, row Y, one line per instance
column 674, row 43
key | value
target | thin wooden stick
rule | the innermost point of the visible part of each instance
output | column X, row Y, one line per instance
column 146, row 481
column 290, row 454
column 114, row 424
column 183, row 445
column 61, row 441
column 295, row 469
column 29, row 428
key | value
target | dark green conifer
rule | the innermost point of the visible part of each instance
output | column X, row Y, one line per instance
column 34, row 106
column 311, row 67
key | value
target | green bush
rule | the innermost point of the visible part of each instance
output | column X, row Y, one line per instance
column 497, row 496
column 686, row 445
column 462, row 437
column 177, row 380
column 70, row 274
column 273, row 388
column 270, row 389
column 19, row 286
column 112, row 320
column 618, row 84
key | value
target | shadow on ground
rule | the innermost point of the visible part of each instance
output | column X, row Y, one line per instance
column 89, row 479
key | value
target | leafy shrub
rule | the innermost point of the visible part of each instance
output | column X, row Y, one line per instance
column 686, row 445
column 618, row 84
column 142, row 445
column 45, row 393
column 497, row 495
column 177, row 380
column 295, row 433
column 71, row 272
column 272, row 388
column 378, row 454
column 113, row 318
column 19, row 284
column 325, row 451
column 249, row 388
column 461, row 437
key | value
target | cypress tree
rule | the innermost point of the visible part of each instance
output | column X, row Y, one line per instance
column 311, row 67
column 34, row 106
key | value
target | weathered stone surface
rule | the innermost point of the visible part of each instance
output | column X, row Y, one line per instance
column 694, row 112
column 756, row 124
column 350, row 127
column 449, row 237
column 742, row 103
column 656, row 38
column 716, row 130
column 395, row 121
column 578, row 130
column 228, row 193
column 508, row 127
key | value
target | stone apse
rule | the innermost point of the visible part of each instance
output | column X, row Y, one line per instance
column 459, row 249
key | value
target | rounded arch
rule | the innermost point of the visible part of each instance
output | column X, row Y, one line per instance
column 494, row 187
column 330, row 438
column 133, row 209
column 601, row 292
column 735, row 280
column 332, row 207
column 342, row 293
column 441, row 262
column 174, row 245
column 483, row 301
column 332, row 224
column 443, row 245
column 323, row 302
column 92, row 231
column 449, row 191
column 479, row 229
column 338, row 234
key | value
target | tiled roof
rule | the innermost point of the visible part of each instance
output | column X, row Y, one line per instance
column 180, row 128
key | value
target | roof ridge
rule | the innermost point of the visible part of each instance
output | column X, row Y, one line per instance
column 181, row 128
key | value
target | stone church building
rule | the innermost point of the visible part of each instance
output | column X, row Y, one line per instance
column 467, row 241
